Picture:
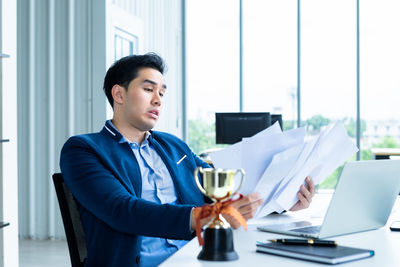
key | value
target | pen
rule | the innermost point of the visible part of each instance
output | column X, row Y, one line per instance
column 312, row 242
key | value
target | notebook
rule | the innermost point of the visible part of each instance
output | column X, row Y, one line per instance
column 330, row 255
column 365, row 194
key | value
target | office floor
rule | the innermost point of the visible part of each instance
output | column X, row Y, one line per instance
column 43, row 253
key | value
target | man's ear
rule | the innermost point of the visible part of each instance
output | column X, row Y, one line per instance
column 118, row 93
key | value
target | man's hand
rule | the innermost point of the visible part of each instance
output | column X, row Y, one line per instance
column 304, row 195
column 247, row 206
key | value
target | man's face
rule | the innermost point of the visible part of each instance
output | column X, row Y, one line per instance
column 142, row 101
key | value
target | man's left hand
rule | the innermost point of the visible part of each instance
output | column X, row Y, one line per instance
column 304, row 195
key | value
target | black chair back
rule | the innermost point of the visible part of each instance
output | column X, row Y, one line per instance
column 72, row 222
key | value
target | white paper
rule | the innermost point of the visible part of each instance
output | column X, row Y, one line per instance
column 281, row 165
column 332, row 148
column 257, row 154
column 276, row 163
column 232, row 156
column 293, row 166
column 228, row 158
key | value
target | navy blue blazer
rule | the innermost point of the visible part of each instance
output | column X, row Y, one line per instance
column 104, row 177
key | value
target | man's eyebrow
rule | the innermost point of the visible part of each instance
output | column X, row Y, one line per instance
column 153, row 83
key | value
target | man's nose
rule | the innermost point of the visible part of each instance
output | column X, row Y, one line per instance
column 156, row 99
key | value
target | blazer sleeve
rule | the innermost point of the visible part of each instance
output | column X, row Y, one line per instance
column 102, row 194
column 200, row 162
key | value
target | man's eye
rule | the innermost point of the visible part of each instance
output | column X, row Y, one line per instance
column 148, row 89
column 161, row 94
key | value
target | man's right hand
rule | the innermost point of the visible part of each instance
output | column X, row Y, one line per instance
column 247, row 207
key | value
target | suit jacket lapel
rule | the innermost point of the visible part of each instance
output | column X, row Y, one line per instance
column 178, row 181
column 127, row 168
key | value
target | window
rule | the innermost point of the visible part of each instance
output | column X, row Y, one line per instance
column 327, row 70
column 212, row 67
column 125, row 44
column 379, row 73
column 270, row 58
column 328, row 67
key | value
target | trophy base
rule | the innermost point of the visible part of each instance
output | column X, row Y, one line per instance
column 218, row 245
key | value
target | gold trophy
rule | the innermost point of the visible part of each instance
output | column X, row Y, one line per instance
column 218, row 184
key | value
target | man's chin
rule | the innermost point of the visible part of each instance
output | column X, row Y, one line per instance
column 148, row 126
column 143, row 124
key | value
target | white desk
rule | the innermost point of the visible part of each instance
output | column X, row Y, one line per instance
column 385, row 243
column 385, row 153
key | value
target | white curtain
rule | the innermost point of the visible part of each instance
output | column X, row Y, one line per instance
column 58, row 96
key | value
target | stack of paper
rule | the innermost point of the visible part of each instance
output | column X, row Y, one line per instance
column 276, row 163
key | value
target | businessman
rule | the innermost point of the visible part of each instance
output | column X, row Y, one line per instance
column 134, row 186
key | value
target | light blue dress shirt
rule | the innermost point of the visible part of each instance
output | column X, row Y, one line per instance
column 157, row 187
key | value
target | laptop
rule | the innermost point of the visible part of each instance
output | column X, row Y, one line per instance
column 363, row 200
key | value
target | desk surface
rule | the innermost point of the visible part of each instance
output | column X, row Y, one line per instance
column 385, row 243
column 386, row 151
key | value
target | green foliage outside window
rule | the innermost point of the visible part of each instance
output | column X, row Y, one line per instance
column 351, row 127
column 315, row 123
column 331, row 181
column 202, row 136
column 387, row 142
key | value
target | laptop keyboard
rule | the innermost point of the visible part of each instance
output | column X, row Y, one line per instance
column 308, row 230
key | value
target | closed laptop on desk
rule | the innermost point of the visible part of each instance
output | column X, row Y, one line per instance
column 363, row 200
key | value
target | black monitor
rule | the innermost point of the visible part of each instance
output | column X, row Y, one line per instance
column 277, row 118
column 230, row 128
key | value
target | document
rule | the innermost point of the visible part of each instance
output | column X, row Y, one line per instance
column 257, row 154
column 233, row 157
column 331, row 150
column 254, row 154
column 228, row 158
column 276, row 163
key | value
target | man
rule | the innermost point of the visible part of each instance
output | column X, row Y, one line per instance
column 134, row 187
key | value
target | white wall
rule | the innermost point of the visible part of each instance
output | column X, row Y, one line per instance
column 161, row 32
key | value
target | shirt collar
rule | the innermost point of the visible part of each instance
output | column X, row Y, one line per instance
column 113, row 130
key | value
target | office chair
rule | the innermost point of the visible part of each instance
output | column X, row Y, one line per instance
column 72, row 222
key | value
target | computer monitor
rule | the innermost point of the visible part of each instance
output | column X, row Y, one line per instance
column 277, row 118
column 232, row 127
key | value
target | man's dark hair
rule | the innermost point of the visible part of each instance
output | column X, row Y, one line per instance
column 127, row 68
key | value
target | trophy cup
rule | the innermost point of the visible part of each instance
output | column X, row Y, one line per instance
column 218, row 184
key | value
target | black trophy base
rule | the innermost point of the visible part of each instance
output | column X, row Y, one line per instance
column 218, row 245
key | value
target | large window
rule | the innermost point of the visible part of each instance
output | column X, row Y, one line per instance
column 270, row 58
column 212, row 67
column 335, row 59
column 380, row 74
column 328, row 69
